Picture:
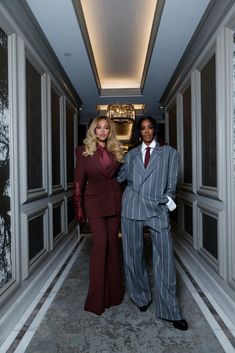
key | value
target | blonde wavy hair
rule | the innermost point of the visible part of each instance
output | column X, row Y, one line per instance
column 112, row 144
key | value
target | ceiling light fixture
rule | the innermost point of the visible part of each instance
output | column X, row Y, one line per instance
column 121, row 113
column 139, row 109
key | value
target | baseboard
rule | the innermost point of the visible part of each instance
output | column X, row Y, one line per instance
column 205, row 276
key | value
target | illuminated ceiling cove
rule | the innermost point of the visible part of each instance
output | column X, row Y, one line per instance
column 119, row 61
column 141, row 67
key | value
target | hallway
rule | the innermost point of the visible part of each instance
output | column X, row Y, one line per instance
column 51, row 89
column 56, row 321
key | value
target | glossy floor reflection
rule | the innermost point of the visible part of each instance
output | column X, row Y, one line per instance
column 65, row 327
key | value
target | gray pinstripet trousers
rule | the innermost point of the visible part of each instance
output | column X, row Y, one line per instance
column 164, row 277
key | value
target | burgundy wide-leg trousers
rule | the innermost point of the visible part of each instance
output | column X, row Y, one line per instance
column 105, row 275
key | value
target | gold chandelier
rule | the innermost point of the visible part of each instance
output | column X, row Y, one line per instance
column 121, row 113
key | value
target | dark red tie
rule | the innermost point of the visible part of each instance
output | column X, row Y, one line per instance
column 147, row 156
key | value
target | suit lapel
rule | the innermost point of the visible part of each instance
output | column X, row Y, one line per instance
column 139, row 160
column 96, row 162
column 153, row 162
column 110, row 169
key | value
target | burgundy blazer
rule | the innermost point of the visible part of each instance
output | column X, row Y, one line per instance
column 101, row 193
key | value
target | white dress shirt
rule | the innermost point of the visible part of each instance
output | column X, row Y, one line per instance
column 144, row 146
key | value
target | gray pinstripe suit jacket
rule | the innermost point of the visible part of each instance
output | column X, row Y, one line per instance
column 146, row 188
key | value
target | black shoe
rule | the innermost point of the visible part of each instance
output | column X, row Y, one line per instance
column 144, row 307
column 180, row 324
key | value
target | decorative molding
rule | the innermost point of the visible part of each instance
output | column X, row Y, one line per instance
column 120, row 92
column 20, row 300
column 51, row 85
column 32, row 194
column 229, row 147
column 51, row 205
column 212, row 281
column 27, row 264
column 196, row 148
column 212, row 18
column 31, row 32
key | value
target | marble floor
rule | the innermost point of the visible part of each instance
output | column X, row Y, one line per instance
column 57, row 323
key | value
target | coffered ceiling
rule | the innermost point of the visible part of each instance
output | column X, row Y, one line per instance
column 119, row 51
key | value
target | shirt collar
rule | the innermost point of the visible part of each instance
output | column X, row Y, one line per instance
column 152, row 145
column 100, row 148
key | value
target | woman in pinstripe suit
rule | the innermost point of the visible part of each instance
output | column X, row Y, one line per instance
column 151, row 173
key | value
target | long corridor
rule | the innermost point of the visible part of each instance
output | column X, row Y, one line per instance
column 57, row 323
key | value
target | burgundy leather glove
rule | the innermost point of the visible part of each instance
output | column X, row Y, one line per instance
column 79, row 214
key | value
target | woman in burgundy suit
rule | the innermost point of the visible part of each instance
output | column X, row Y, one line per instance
column 97, row 196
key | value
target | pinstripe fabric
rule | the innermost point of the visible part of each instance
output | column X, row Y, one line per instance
column 146, row 188
column 164, row 295
column 144, row 205
column 135, row 269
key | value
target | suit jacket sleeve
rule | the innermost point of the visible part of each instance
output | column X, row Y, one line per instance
column 173, row 169
column 122, row 174
column 79, row 178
